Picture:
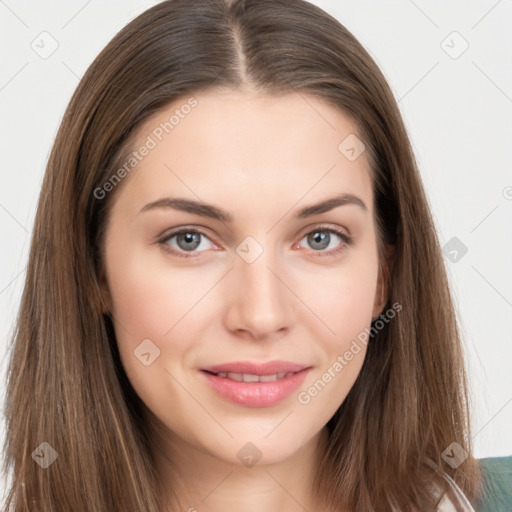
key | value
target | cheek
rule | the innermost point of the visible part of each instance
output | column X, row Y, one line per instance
column 342, row 298
column 342, row 347
column 146, row 306
column 326, row 390
column 148, row 298
column 343, row 302
column 142, row 308
column 153, row 302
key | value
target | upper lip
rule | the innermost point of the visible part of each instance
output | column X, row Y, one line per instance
column 253, row 368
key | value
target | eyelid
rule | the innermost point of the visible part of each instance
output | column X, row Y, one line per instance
column 327, row 227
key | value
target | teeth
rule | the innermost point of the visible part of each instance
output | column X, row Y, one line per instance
column 249, row 377
column 268, row 378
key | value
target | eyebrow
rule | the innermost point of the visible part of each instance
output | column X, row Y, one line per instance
column 214, row 212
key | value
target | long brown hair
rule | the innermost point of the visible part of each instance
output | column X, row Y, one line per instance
column 66, row 385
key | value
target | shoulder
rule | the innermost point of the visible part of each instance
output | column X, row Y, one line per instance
column 453, row 499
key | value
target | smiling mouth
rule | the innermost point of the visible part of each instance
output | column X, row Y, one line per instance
column 262, row 389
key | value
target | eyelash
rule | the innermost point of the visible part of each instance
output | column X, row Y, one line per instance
column 347, row 241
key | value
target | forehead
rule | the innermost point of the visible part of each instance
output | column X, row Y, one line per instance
column 234, row 145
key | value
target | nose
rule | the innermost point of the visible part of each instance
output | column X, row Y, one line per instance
column 259, row 301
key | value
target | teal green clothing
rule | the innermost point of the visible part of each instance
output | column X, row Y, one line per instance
column 497, row 485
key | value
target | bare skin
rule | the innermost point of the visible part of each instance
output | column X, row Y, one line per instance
column 261, row 159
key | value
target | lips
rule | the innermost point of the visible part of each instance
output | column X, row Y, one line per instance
column 255, row 384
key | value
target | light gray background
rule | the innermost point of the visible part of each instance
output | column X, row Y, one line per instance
column 456, row 106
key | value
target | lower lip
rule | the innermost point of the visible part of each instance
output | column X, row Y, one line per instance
column 256, row 394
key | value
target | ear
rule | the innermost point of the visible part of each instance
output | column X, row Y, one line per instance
column 383, row 282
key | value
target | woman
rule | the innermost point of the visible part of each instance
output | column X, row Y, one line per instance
column 303, row 352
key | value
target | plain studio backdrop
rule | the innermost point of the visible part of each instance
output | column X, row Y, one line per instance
column 449, row 66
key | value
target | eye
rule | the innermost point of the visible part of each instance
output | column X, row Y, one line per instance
column 321, row 238
column 185, row 240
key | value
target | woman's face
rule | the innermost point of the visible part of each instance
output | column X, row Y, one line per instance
column 256, row 276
